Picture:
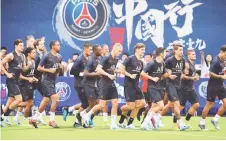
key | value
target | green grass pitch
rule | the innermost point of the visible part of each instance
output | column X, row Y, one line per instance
column 102, row 132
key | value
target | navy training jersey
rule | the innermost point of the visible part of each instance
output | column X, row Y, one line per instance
column 37, row 60
column 217, row 67
column 29, row 73
column 50, row 61
column 155, row 69
column 132, row 66
column 91, row 67
column 177, row 67
column 16, row 65
column 189, row 84
column 109, row 65
column 77, row 68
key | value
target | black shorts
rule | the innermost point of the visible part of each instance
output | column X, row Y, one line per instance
column 212, row 93
column 173, row 93
column 13, row 88
column 188, row 95
column 91, row 92
column 47, row 88
column 108, row 92
column 156, row 95
column 37, row 86
column 133, row 93
column 82, row 97
column 27, row 91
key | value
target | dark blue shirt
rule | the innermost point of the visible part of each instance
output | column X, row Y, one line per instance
column 37, row 73
column 15, row 65
column 217, row 67
column 109, row 65
column 50, row 61
column 177, row 67
column 77, row 68
column 91, row 67
column 29, row 73
column 132, row 66
column 155, row 69
column 189, row 84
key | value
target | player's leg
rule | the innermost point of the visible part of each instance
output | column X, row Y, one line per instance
column 221, row 110
column 193, row 99
column 105, row 114
column 55, row 100
column 130, row 104
column 211, row 95
column 9, row 101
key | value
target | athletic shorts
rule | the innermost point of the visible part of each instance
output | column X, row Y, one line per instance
column 108, row 92
column 82, row 97
column 133, row 93
column 188, row 95
column 27, row 91
column 212, row 93
column 13, row 88
column 156, row 95
column 91, row 92
column 173, row 93
column 47, row 88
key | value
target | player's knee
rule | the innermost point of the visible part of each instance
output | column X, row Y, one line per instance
column 131, row 106
column 196, row 105
column 142, row 104
column 114, row 103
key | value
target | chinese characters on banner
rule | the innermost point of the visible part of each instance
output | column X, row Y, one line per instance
column 151, row 23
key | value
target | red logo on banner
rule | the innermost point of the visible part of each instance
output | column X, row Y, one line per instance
column 117, row 35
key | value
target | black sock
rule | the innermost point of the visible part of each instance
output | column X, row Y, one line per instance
column 174, row 119
column 92, row 116
column 188, row 117
column 1, row 119
column 122, row 118
column 130, row 121
column 8, row 112
column 128, row 114
column 144, row 117
column 30, row 114
column 78, row 114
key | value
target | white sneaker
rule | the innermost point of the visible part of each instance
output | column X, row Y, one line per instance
column 131, row 126
column 41, row 121
column 146, row 126
column 121, row 125
column 114, row 127
column 86, row 119
column 16, row 120
column 2, row 124
column 7, row 121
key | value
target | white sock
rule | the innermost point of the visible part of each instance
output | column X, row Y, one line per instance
column 90, row 113
column 35, row 117
column 52, row 115
column 71, row 109
column 180, row 121
column 82, row 113
column 159, row 116
column 18, row 114
column 105, row 115
column 202, row 121
column 216, row 118
column 113, row 119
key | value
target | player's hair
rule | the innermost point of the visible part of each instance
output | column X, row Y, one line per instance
column 103, row 45
column 138, row 46
column 125, row 53
column 52, row 43
column 148, row 54
column 189, row 51
column 75, row 54
column 4, row 48
column 36, row 43
column 95, row 47
column 223, row 48
column 28, row 50
column 29, row 37
column 175, row 47
column 17, row 41
column 86, row 45
column 159, row 50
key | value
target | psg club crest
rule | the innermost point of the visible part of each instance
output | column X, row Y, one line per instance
column 85, row 19
column 203, row 89
column 63, row 90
